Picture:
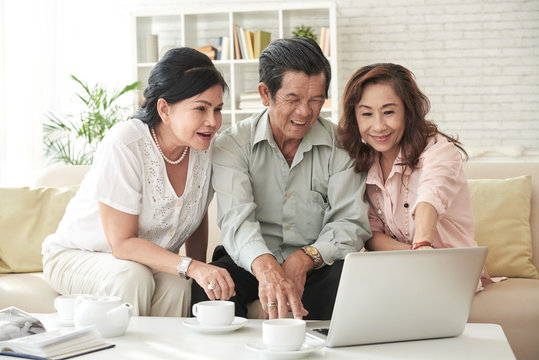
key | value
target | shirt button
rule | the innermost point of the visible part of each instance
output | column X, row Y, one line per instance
column 170, row 233
column 179, row 203
column 287, row 195
column 287, row 227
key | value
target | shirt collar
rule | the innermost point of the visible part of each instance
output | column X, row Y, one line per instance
column 317, row 134
column 374, row 176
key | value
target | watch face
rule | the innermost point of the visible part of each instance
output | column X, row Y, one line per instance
column 311, row 250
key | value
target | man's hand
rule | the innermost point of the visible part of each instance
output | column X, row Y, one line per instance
column 277, row 293
column 295, row 267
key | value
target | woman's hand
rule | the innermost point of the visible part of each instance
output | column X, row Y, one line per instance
column 215, row 281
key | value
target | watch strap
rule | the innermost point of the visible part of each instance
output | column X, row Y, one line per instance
column 183, row 266
column 313, row 253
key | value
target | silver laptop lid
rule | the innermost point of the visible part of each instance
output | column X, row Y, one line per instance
column 387, row 296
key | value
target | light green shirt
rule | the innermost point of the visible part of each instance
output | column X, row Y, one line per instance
column 268, row 207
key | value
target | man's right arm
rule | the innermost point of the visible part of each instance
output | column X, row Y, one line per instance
column 240, row 231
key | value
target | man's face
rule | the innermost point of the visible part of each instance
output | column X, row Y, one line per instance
column 296, row 105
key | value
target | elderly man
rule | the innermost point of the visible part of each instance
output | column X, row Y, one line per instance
column 290, row 205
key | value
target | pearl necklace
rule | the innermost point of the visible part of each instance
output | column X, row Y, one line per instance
column 175, row 162
column 406, row 209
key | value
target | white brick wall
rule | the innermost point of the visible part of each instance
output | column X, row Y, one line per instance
column 477, row 61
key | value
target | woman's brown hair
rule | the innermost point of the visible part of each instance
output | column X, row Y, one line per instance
column 417, row 129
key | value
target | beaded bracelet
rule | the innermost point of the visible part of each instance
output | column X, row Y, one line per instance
column 420, row 244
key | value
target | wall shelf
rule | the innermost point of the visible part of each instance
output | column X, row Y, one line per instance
column 193, row 28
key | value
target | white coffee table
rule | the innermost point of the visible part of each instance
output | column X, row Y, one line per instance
column 163, row 338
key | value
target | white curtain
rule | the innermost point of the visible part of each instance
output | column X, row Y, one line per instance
column 29, row 42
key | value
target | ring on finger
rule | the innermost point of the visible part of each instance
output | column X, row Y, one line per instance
column 272, row 304
column 212, row 286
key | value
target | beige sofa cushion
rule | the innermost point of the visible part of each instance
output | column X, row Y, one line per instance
column 30, row 292
column 27, row 216
column 502, row 223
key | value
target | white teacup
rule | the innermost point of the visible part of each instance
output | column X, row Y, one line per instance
column 283, row 334
column 65, row 305
column 214, row 313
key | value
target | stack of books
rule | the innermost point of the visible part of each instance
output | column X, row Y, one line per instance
column 250, row 100
column 246, row 45
column 209, row 50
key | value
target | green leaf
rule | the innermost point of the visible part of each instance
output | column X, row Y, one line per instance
column 73, row 139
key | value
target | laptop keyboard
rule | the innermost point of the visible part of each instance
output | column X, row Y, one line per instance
column 323, row 331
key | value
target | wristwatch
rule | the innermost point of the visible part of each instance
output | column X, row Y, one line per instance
column 183, row 266
column 315, row 255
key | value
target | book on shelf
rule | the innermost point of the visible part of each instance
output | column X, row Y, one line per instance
column 24, row 336
column 322, row 41
column 219, row 48
column 237, row 51
column 261, row 41
column 243, row 43
column 208, row 50
column 249, row 36
column 225, row 48
column 325, row 43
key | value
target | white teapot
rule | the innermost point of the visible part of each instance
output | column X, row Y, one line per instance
column 108, row 313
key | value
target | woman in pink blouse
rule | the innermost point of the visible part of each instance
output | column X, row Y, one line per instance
column 417, row 191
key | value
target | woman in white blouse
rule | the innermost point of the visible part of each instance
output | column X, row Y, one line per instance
column 146, row 195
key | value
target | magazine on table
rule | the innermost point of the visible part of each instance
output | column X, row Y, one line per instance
column 22, row 335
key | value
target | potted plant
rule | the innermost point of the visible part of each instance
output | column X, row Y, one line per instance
column 306, row 31
column 73, row 140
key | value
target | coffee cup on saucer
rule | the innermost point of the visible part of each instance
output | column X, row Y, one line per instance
column 214, row 313
column 283, row 334
column 65, row 306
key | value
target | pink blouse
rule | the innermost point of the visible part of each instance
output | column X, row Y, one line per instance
column 438, row 180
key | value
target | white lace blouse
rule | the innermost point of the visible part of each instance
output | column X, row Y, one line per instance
column 129, row 175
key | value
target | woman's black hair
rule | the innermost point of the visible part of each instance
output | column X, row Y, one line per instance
column 292, row 54
column 180, row 74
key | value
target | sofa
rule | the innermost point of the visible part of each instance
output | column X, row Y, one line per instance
column 505, row 198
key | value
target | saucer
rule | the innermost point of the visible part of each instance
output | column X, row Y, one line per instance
column 310, row 345
column 193, row 323
column 55, row 318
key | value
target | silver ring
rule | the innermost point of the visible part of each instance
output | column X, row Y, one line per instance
column 212, row 286
column 272, row 304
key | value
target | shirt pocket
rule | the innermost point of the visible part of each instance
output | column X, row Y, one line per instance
column 316, row 207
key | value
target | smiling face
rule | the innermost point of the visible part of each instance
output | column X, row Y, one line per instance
column 296, row 105
column 192, row 122
column 380, row 118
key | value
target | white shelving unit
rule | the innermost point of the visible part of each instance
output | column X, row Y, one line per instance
column 197, row 28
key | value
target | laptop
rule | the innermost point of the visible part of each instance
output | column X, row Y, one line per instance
column 389, row 296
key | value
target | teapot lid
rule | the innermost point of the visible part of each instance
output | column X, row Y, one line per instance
column 105, row 299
